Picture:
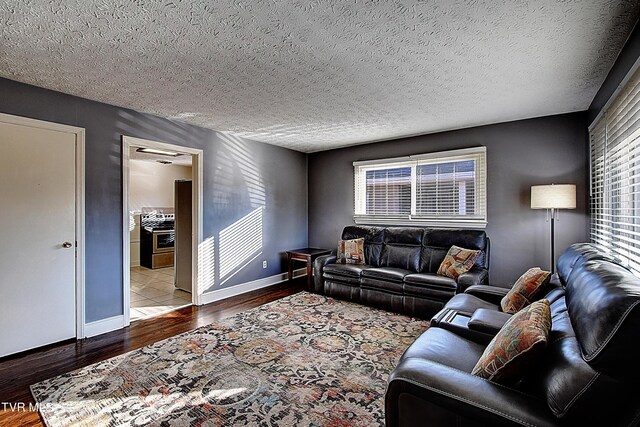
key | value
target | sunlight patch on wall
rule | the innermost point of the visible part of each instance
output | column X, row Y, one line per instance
column 250, row 172
column 240, row 243
column 206, row 264
column 132, row 220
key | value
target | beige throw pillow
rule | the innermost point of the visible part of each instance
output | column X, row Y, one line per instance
column 518, row 346
column 525, row 290
column 458, row 260
column 351, row 251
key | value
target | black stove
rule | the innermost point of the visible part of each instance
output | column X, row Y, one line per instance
column 157, row 240
column 151, row 222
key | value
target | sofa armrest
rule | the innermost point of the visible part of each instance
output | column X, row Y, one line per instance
column 488, row 321
column 492, row 294
column 426, row 393
column 318, row 266
column 475, row 276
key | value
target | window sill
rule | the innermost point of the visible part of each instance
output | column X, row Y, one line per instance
column 403, row 221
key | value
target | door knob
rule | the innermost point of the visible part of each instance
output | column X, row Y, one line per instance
column 67, row 245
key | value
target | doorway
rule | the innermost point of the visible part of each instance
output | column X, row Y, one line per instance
column 42, row 191
column 162, row 187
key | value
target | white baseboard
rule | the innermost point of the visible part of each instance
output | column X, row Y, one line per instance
column 220, row 294
column 109, row 324
column 103, row 326
column 134, row 263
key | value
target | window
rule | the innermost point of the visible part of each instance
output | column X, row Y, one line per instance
column 615, row 175
column 438, row 189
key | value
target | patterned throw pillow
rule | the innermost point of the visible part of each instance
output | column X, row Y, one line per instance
column 518, row 345
column 350, row 251
column 525, row 289
column 457, row 261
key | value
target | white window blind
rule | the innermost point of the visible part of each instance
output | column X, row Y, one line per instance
column 439, row 189
column 388, row 191
column 615, row 175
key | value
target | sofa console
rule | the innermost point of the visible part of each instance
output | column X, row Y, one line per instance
column 400, row 268
column 481, row 326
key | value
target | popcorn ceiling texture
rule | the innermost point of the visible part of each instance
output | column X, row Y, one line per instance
column 319, row 74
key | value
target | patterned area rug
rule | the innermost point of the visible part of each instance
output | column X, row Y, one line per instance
column 303, row 360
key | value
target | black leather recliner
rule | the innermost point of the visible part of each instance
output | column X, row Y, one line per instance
column 589, row 374
column 488, row 297
column 400, row 270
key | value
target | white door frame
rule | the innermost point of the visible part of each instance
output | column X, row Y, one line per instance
column 80, row 218
column 197, row 154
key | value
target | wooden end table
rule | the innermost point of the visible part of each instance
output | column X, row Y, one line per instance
column 307, row 255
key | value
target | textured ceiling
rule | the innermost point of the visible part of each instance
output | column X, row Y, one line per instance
column 318, row 74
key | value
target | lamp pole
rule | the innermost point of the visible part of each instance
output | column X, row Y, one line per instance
column 553, row 245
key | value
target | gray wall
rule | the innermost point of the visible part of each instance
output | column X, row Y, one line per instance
column 519, row 154
column 239, row 176
column 627, row 57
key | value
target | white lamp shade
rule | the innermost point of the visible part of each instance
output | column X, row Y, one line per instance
column 554, row 196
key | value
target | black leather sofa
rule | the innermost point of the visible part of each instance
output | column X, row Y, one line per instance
column 400, row 270
column 588, row 377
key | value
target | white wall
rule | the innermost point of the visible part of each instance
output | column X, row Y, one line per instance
column 151, row 185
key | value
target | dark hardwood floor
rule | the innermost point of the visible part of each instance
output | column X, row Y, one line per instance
column 18, row 372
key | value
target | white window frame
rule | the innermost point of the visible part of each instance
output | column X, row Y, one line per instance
column 614, row 171
column 479, row 220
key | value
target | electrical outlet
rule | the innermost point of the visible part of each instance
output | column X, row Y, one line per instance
column 264, row 264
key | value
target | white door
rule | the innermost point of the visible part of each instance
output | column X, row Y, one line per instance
column 37, row 242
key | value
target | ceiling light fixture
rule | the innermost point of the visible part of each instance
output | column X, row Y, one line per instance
column 159, row 152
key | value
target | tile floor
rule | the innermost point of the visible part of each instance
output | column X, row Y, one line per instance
column 153, row 292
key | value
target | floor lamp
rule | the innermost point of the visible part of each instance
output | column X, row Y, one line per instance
column 553, row 197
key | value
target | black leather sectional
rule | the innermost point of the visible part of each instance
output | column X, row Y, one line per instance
column 400, row 270
column 588, row 376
